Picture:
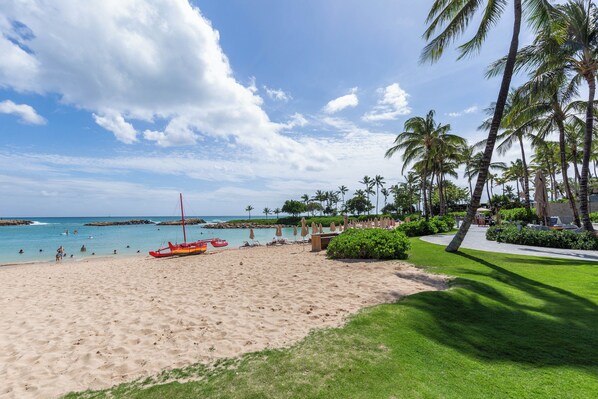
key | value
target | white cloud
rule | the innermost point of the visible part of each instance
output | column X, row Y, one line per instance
column 392, row 104
column 471, row 110
column 25, row 112
column 340, row 103
column 277, row 94
column 150, row 61
column 114, row 122
column 296, row 120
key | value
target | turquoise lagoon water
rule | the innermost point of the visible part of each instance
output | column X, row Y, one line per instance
column 48, row 234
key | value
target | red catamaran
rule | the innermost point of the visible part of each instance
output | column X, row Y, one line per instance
column 187, row 248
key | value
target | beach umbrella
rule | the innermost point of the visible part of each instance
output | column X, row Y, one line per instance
column 320, row 228
column 295, row 232
column 345, row 222
column 279, row 231
column 251, row 235
column 304, row 230
column 541, row 197
column 314, row 230
column 376, row 222
column 332, row 227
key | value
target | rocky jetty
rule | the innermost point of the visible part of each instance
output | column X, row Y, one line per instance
column 15, row 222
column 242, row 226
column 120, row 223
column 179, row 222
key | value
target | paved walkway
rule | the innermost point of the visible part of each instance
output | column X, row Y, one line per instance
column 476, row 239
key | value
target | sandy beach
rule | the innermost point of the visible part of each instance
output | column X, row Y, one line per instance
column 97, row 323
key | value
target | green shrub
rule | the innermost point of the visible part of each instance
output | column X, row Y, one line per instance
column 543, row 238
column 594, row 217
column 369, row 244
column 437, row 224
column 519, row 214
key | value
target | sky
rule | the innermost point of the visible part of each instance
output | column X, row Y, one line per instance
column 113, row 108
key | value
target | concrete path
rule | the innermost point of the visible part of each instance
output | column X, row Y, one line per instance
column 476, row 239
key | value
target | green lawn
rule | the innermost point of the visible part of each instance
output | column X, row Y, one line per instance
column 511, row 327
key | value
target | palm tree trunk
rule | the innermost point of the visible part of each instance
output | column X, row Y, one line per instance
column 525, row 174
column 494, row 126
column 424, row 178
column 587, row 149
column 488, row 193
column 577, row 174
column 564, row 167
column 431, row 192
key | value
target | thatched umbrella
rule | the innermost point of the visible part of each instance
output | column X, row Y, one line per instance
column 314, row 229
column 320, row 228
column 376, row 222
column 279, row 230
column 304, row 231
column 332, row 227
column 251, row 235
column 541, row 197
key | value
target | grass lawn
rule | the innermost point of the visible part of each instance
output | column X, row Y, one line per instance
column 511, row 327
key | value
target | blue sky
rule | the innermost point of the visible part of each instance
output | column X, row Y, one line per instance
column 114, row 108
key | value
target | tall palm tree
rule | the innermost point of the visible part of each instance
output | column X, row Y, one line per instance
column 379, row 182
column 569, row 47
column 277, row 212
column 249, row 208
column 579, row 19
column 451, row 18
column 417, row 144
column 368, row 182
column 517, row 125
column 385, row 193
column 267, row 212
column 320, row 197
column 343, row 190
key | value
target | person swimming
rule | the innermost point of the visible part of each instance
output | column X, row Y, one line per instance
column 21, row 251
column 83, row 249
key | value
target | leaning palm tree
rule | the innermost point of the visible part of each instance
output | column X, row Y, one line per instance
column 451, row 18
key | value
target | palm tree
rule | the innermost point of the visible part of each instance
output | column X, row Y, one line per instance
column 517, row 125
column 249, row 208
column 417, row 143
column 385, row 193
column 277, row 212
column 451, row 18
column 368, row 182
column 568, row 48
column 343, row 190
column 379, row 182
column 320, row 197
column 580, row 22
column 267, row 211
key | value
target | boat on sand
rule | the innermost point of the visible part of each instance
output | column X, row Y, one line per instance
column 187, row 248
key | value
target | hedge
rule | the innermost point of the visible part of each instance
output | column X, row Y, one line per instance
column 421, row 227
column 543, row 238
column 369, row 244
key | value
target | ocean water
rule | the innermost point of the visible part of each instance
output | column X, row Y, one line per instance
column 40, row 241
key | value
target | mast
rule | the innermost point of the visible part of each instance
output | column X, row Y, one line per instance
column 183, row 219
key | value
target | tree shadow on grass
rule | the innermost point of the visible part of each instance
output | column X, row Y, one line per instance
column 530, row 322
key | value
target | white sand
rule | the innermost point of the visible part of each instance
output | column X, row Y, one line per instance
column 98, row 323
